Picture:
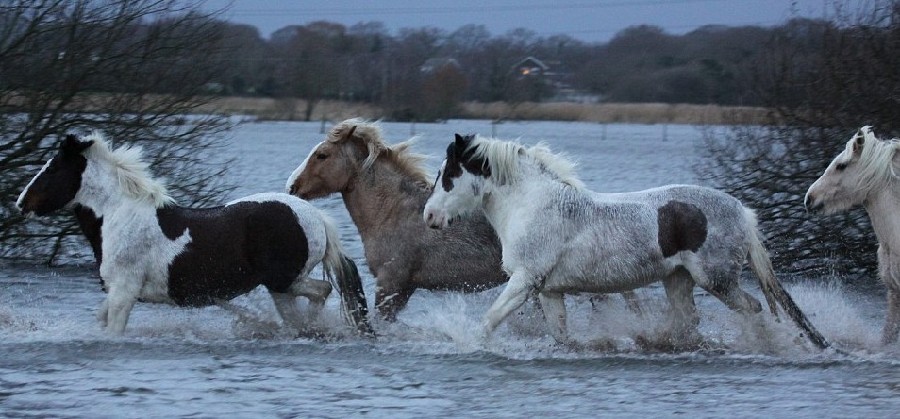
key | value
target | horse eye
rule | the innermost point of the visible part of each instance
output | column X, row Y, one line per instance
column 321, row 156
column 840, row 167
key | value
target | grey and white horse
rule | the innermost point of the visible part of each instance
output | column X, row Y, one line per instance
column 867, row 173
column 557, row 237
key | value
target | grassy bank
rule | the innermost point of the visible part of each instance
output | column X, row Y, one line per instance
column 639, row 113
column 331, row 110
column 635, row 113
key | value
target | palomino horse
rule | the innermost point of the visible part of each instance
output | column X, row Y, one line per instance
column 384, row 188
column 866, row 173
column 154, row 251
column 558, row 237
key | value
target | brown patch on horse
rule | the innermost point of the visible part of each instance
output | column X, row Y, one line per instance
column 233, row 249
column 682, row 226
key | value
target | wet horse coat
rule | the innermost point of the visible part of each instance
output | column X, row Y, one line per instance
column 558, row 237
column 152, row 250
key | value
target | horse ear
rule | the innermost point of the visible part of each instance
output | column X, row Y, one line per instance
column 71, row 144
column 861, row 139
column 459, row 144
column 349, row 133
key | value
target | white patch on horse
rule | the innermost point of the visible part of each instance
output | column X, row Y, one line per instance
column 296, row 173
column 21, row 199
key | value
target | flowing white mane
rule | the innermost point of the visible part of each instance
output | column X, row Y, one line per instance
column 875, row 160
column 131, row 171
column 503, row 158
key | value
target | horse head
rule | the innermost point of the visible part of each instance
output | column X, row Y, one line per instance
column 864, row 166
column 351, row 150
column 57, row 183
column 330, row 166
column 459, row 187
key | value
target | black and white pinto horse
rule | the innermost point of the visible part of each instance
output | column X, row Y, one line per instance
column 558, row 237
column 154, row 251
column 867, row 173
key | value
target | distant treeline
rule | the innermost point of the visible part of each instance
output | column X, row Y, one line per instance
column 424, row 73
column 416, row 73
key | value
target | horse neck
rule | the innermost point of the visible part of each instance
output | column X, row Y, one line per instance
column 530, row 189
column 882, row 207
column 101, row 192
column 383, row 197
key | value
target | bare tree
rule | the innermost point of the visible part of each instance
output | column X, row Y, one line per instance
column 133, row 69
column 823, row 80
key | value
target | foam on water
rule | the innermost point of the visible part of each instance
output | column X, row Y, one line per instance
column 61, row 307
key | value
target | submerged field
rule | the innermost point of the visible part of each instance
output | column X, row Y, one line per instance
column 202, row 362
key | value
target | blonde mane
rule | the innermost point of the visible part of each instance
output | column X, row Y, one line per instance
column 875, row 160
column 132, row 173
column 398, row 154
column 503, row 158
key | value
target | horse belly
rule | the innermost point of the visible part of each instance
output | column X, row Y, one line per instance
column 606, row 274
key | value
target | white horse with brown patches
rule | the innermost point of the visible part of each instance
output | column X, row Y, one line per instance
column 867, row 173
column 557, row 237
column 155, row 251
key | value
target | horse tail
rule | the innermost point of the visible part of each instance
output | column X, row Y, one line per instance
column 344, row 275
column 761, row 266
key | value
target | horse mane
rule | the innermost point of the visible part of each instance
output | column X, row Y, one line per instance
column 875, row 160
column 503, row 158
column 132, row 172
column 400, row 155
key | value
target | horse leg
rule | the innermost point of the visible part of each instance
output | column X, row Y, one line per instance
column 723, row 284
column 680, row 293
column 119, row 305
column 631, row 301
column 888, row 275
column 315, row 290
column 892, row 321
column 103, row 313
column 286, row 304
column 554, row 307
column 391, row 300
column 513, row 296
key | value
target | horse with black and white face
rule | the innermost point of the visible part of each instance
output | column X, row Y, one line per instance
column 155, row 251
column 867, row 173
column 557, row 237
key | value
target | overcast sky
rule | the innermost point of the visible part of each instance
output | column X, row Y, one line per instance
column 588, row 20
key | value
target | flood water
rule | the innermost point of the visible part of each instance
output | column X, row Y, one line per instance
column 55, row 361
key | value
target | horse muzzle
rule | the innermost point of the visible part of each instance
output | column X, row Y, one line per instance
column 812, row 205
column 436, row 220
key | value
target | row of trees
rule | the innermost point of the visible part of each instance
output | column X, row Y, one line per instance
column 365, row 62
column 415, row 73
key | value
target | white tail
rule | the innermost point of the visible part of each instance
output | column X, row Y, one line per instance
column 761, row 266
column 344, row 276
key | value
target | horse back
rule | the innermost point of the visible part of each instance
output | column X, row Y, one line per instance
column 232, row 250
